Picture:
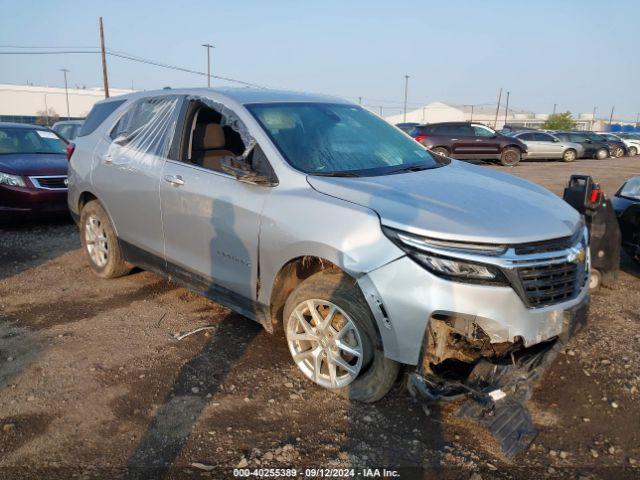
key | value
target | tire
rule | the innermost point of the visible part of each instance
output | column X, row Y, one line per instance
column 595, row 280
column 100, row 243
column 601, row 154
column 440, row 151
column 510, row 157
column 569, row 155
column 617, row 152
column 633, row 151
column 373, row 374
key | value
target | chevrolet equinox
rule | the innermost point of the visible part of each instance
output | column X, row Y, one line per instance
column 316, row 218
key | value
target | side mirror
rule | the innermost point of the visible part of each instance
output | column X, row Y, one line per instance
column 555, row 140
column 121, row 139
column 251, row 168
column 589, row 140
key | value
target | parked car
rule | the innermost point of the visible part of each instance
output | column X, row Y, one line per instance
column 33, row 170
column 407, row 127
column 593, row 148
column 315, row 217
column 68, row 129
column 631, row 144
column 626, row 203
column 466, row 140
column 628, row 135
column 542, row 145
column 617, row 147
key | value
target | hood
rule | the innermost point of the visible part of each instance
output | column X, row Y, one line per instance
column 34, row 163
column 459, row 202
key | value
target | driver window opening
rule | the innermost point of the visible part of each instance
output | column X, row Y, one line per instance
column 208, row 140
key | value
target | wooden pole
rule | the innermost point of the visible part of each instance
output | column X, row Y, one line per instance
column 105, row 78
column 495, row 122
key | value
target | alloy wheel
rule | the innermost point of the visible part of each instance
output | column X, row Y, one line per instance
column 325, row 343
column 569, row 155
column 96, row 241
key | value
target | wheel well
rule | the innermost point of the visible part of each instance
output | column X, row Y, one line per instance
column 517, row 147
column 288, row 278
column 85, row 197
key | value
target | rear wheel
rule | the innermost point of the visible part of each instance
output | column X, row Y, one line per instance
column 332, row 338
column 510, row 157
column 569, row 155
column 100, row 243
column 602, row 153
column 633, row 151
column 440, row 151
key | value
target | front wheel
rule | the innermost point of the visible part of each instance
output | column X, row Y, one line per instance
column 569, row 155
column 331, row 335
column 510, row 157
column 618, row 152
column 443, row 152
column 602, row 153
column 100, row 243
column 633, row 151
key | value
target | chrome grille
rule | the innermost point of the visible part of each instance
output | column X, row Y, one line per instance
column 52, row 182
column 550, row 284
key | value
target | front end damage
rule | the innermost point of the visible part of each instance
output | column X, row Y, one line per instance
column 460, row 360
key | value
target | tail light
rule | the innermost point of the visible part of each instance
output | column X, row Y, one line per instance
column 420, row 138
column 594, row 196
column 70, row 149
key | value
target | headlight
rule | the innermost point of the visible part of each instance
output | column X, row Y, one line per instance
column 444, row 266
column 11, row 180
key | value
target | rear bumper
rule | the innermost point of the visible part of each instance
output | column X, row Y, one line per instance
column 28, row 201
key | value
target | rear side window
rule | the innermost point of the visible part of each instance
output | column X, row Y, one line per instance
column 526, row 136
column 97, row 115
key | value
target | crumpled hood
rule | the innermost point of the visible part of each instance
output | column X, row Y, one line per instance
column 34, row 163
column 459, row 201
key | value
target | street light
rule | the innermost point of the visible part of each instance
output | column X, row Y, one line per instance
column 406, row 87
column 208, row 46
column 66, row 90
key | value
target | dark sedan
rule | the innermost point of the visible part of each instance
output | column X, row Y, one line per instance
column 593, row 147
column 617, row 148
column 33, row 170
column 626, row 203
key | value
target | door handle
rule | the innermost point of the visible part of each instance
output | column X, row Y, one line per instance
column 176, row 180
column 454, row 139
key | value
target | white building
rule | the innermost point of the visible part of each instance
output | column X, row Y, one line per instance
column 26, row 103
column 486, row 114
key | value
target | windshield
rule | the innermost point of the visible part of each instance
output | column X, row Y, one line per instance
column 631, row 188
column 336, row 139
column 30, row 140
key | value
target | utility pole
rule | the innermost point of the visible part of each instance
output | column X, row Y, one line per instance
column 380, row 110
column 406, row 88
column 611, row 116
column 555, row 105
column 208, row 46
column 495, row 122
column 471, row 119
column 46, row 109
column 66, row 90
column 506, row 109
column 359, row 100
column 105, row 78
column 593, row 121
column 637, row 118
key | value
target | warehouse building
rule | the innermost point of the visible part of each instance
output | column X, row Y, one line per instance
column 486, row 114
column 45, row 105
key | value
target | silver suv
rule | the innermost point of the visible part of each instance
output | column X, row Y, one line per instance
column 313, row 216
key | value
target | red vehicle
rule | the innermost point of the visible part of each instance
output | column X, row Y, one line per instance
column 33, row 170
column 465, row 140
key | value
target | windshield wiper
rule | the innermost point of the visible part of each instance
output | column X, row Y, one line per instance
column 335, row 174
column 409, row 168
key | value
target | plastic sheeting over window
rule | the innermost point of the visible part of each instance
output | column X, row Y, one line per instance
column 148, row 128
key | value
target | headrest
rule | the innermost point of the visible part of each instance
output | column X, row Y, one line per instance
column 208, row 136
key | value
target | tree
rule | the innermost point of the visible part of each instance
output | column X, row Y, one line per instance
column 560, row 121
column 47, row 117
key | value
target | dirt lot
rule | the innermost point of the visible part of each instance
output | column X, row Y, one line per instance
column 93, row 383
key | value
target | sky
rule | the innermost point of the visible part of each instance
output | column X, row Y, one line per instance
column 577, row 54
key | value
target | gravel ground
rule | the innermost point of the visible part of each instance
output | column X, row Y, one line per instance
column 93, row 383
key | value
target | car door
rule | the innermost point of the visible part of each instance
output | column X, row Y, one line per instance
column 463, row 140
column 486, row 141
column 127, row 169
column 549, row 148
column 211, row 224
column 534, row 149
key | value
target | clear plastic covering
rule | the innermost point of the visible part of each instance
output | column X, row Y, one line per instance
column 148, row 127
